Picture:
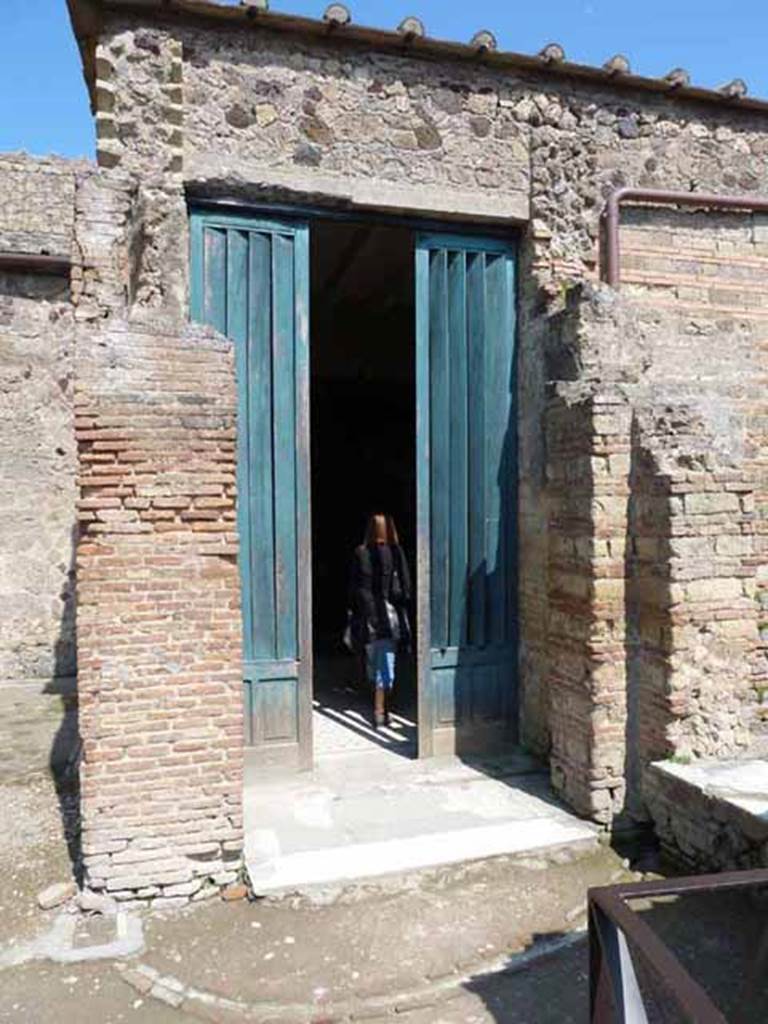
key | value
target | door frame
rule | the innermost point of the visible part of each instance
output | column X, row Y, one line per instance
column 482, row 235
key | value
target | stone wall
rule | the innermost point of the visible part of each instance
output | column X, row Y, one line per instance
column 653, row 547
column 37, row 450
column 710, row 816
column 37, row 204
column 160, row 676
column 640, row 446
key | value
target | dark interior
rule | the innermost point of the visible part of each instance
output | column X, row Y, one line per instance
column 363, row 419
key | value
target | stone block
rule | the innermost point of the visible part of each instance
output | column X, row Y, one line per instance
column 56, row 894
column 182, row 889
column 714, row 590
column 712, row 503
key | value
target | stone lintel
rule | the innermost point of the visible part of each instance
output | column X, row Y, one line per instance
column 209, row 176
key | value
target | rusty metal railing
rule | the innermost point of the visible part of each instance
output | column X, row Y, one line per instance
column 616, row 996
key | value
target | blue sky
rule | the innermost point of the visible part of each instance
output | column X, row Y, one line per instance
column 44, row 108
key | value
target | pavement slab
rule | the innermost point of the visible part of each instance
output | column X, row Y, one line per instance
column 367, row 814
column 743, row 783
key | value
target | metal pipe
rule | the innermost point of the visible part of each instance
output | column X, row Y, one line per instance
column 662, row 197
column 34, row 263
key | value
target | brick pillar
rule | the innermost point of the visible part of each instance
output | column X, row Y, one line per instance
column 159, row 627
column 159, row 613
column 588, row 444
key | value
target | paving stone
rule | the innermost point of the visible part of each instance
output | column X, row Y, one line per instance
column 166, row 995
column 96, row 903
column 56, row 894
column 136, row 979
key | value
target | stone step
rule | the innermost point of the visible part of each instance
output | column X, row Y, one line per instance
column 711, row 815
column 372, row 816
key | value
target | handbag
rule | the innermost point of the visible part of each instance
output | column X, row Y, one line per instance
column 393, row 617
column 397, row 610
column 347, row 639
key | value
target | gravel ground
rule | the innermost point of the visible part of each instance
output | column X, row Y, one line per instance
column 365, row 947
column 489, row 943
column 33, row 850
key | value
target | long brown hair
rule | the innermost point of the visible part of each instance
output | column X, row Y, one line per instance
column 381, row 529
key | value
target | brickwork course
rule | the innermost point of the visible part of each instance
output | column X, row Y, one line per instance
column 643, row 493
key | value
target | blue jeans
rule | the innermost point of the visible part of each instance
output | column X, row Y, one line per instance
column 380, row 656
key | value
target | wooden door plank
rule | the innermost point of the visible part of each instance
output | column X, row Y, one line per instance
column 457, row 426
column 256, row 437
column 440, row 483
column 496, row 392
column 237, row 330
column 197, row 266
column 425, row 694
column 303, row 502
column 215, row 278
column 284, row 444
column 510, row 690
column 476, row 309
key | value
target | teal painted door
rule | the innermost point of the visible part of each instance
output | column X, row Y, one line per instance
column 251, row 282
column 467, row 470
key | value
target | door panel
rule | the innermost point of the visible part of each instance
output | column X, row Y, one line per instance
column 251, row 282
column 467, row 468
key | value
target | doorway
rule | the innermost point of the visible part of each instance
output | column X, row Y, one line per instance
column 363, row 457
column 398, row 393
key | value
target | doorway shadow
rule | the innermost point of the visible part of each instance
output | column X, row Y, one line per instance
column 66, row 748
column 486, row 700
column 342, row 708
column 648, row 616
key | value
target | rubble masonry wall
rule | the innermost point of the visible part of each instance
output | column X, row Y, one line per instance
column 37, row 448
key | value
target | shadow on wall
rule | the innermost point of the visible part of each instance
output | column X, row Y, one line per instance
column 648, row 620
column 64, row 759
column 486, row 694
column 473, row 585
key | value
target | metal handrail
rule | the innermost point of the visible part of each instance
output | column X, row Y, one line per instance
column 663, row 197
column 615, row 996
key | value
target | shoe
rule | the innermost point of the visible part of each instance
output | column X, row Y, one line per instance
column 379, row 721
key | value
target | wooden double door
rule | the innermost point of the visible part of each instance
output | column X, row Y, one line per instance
column 251, row 281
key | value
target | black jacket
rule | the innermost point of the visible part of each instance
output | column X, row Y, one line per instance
column 379, row 573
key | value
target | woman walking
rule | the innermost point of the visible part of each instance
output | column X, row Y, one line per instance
column 380, row 589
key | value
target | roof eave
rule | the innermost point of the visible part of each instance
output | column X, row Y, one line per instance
column 87, row 21
column 87, row 16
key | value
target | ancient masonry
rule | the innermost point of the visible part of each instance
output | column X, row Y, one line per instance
column 643, row 415
column 37, row 444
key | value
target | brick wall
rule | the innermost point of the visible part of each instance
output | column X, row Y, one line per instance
column 159, row 639
column 159, row 618
column 588, row 454
column 711, row 268
column 37, row 204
